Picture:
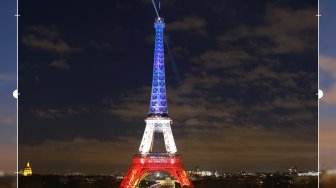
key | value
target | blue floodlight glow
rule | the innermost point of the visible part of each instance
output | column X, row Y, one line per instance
column 158, row 103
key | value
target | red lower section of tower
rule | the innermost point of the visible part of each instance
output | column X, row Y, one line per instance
column 143, row 165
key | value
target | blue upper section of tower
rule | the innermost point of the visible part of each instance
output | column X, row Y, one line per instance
column 158, row 103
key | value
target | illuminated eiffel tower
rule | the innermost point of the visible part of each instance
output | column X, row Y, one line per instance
column 157, row 122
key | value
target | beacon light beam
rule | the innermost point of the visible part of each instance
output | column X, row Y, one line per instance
column 172, row 60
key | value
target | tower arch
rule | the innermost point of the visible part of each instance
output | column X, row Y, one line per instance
column 142, row 165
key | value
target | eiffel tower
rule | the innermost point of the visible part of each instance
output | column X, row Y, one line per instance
column 157, row 122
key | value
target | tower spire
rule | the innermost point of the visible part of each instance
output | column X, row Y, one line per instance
column 158, row 103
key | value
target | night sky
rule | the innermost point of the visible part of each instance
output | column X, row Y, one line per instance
column 241, row 83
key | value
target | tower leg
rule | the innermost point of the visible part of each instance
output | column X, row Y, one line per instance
column 132, row 176
column 147, row 139
column 145, row 165
column 169, row 139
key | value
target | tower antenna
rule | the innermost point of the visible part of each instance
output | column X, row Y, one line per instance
column 156, row 11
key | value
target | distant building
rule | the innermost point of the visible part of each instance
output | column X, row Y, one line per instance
column 27, row 170
column 308, row 174
column 203, row 173
column 292, row 170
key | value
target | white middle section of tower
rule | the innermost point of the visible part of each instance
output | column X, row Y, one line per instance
column 158, row 124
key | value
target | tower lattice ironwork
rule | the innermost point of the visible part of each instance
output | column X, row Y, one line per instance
column 157, row 121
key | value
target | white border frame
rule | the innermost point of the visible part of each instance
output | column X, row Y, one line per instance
column 17, row 15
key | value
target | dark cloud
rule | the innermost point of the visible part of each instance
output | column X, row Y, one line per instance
column 5, row 77
column 52, row 113
column 7, row 120
column 48, row 32
column 327, row 146
column 60, row 64
column 286, row 30
column 8, row 158
column 79, row 152
column 180, row 51
column 328, row 65
column 223, row 59
column 192, row 24
column 45, row 44
column 46, row 38
column 48, row 113
column 101, row 45
column 8, row 140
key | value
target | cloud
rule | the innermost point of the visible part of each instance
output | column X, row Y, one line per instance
column 5, row 77
column 52, row 113
column 223, row 59
column 37, row 79
column 195, row 105
column 189, row 100
column 60, row 64
column 7, row 85
column 283, row 31
column 254, row 148
column 293, row 102
column 287, row 28
column 8, row 120
column 180, row 51
column 45, row 44
column 329, row 96
column 130, row 106
column 8, row 129
column 327, row 144
column 48, row 32
column 47, row 39
column 328, row 65
column 8, row 158
column 258, row 61
column 48, row 113
column 250, row 147
column 79, row 154
column 7, row 142
column 100, row 45
column 211, row 125
column 261, row 77
column 189, row 23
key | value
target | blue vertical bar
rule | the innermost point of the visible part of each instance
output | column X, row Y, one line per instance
column 158, row 104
